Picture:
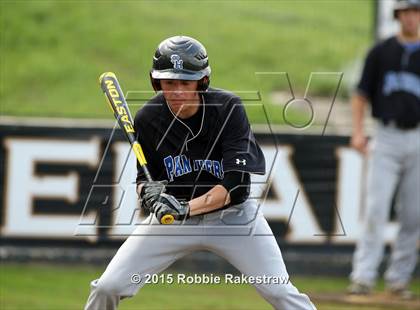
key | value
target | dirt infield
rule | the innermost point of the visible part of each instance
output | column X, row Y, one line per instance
column 379, row 299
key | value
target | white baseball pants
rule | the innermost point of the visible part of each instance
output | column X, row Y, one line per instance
column 240, row 234
column 394, row 161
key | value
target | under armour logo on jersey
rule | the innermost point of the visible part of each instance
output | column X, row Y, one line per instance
column 239, row 161
column 177, row 61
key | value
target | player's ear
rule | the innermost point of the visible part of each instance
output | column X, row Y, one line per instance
column 203, row 84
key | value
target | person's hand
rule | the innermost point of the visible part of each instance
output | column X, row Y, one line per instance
column 359, row 142
column 169, row 205
column 150, row 192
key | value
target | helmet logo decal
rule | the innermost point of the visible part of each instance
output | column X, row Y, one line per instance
column 177, row 61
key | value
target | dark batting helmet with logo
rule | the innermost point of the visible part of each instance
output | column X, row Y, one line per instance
column 180, row 58
column 401, row 5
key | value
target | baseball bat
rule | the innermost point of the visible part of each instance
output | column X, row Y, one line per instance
column 118, row 104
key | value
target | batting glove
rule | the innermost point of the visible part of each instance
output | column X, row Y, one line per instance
column 169, row 205
column 150, row 192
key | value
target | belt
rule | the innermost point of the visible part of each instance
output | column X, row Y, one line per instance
column 401, row 125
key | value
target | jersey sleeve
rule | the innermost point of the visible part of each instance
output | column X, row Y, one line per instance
column 368, row 80
column 238, row 186
column 240, row 150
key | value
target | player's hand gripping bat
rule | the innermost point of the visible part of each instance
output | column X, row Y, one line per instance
column 119, row 107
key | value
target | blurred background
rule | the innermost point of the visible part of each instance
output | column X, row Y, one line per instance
column 294, row 63
column 53, row 51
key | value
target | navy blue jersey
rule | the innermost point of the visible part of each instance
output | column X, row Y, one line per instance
column 391, row 81
column 193, row 154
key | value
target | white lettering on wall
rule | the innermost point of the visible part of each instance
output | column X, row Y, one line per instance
column 126, row 212
column 351, row 191
column 303, row 226
column 22, row 185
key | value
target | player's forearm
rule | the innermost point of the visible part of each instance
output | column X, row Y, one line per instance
column 214, row 199
column 358, row 106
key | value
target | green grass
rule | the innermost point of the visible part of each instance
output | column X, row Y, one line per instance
column 35, row 286
column 52, row 52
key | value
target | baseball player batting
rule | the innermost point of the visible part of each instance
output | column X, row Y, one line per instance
column 199, row 145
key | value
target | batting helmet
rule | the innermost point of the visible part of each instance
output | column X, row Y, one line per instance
column 180, row 58
column 401, row 5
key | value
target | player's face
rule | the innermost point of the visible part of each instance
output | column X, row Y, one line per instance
column 181, row 95
column 410, row 21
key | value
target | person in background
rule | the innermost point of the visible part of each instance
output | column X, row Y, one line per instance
column 390, row 82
